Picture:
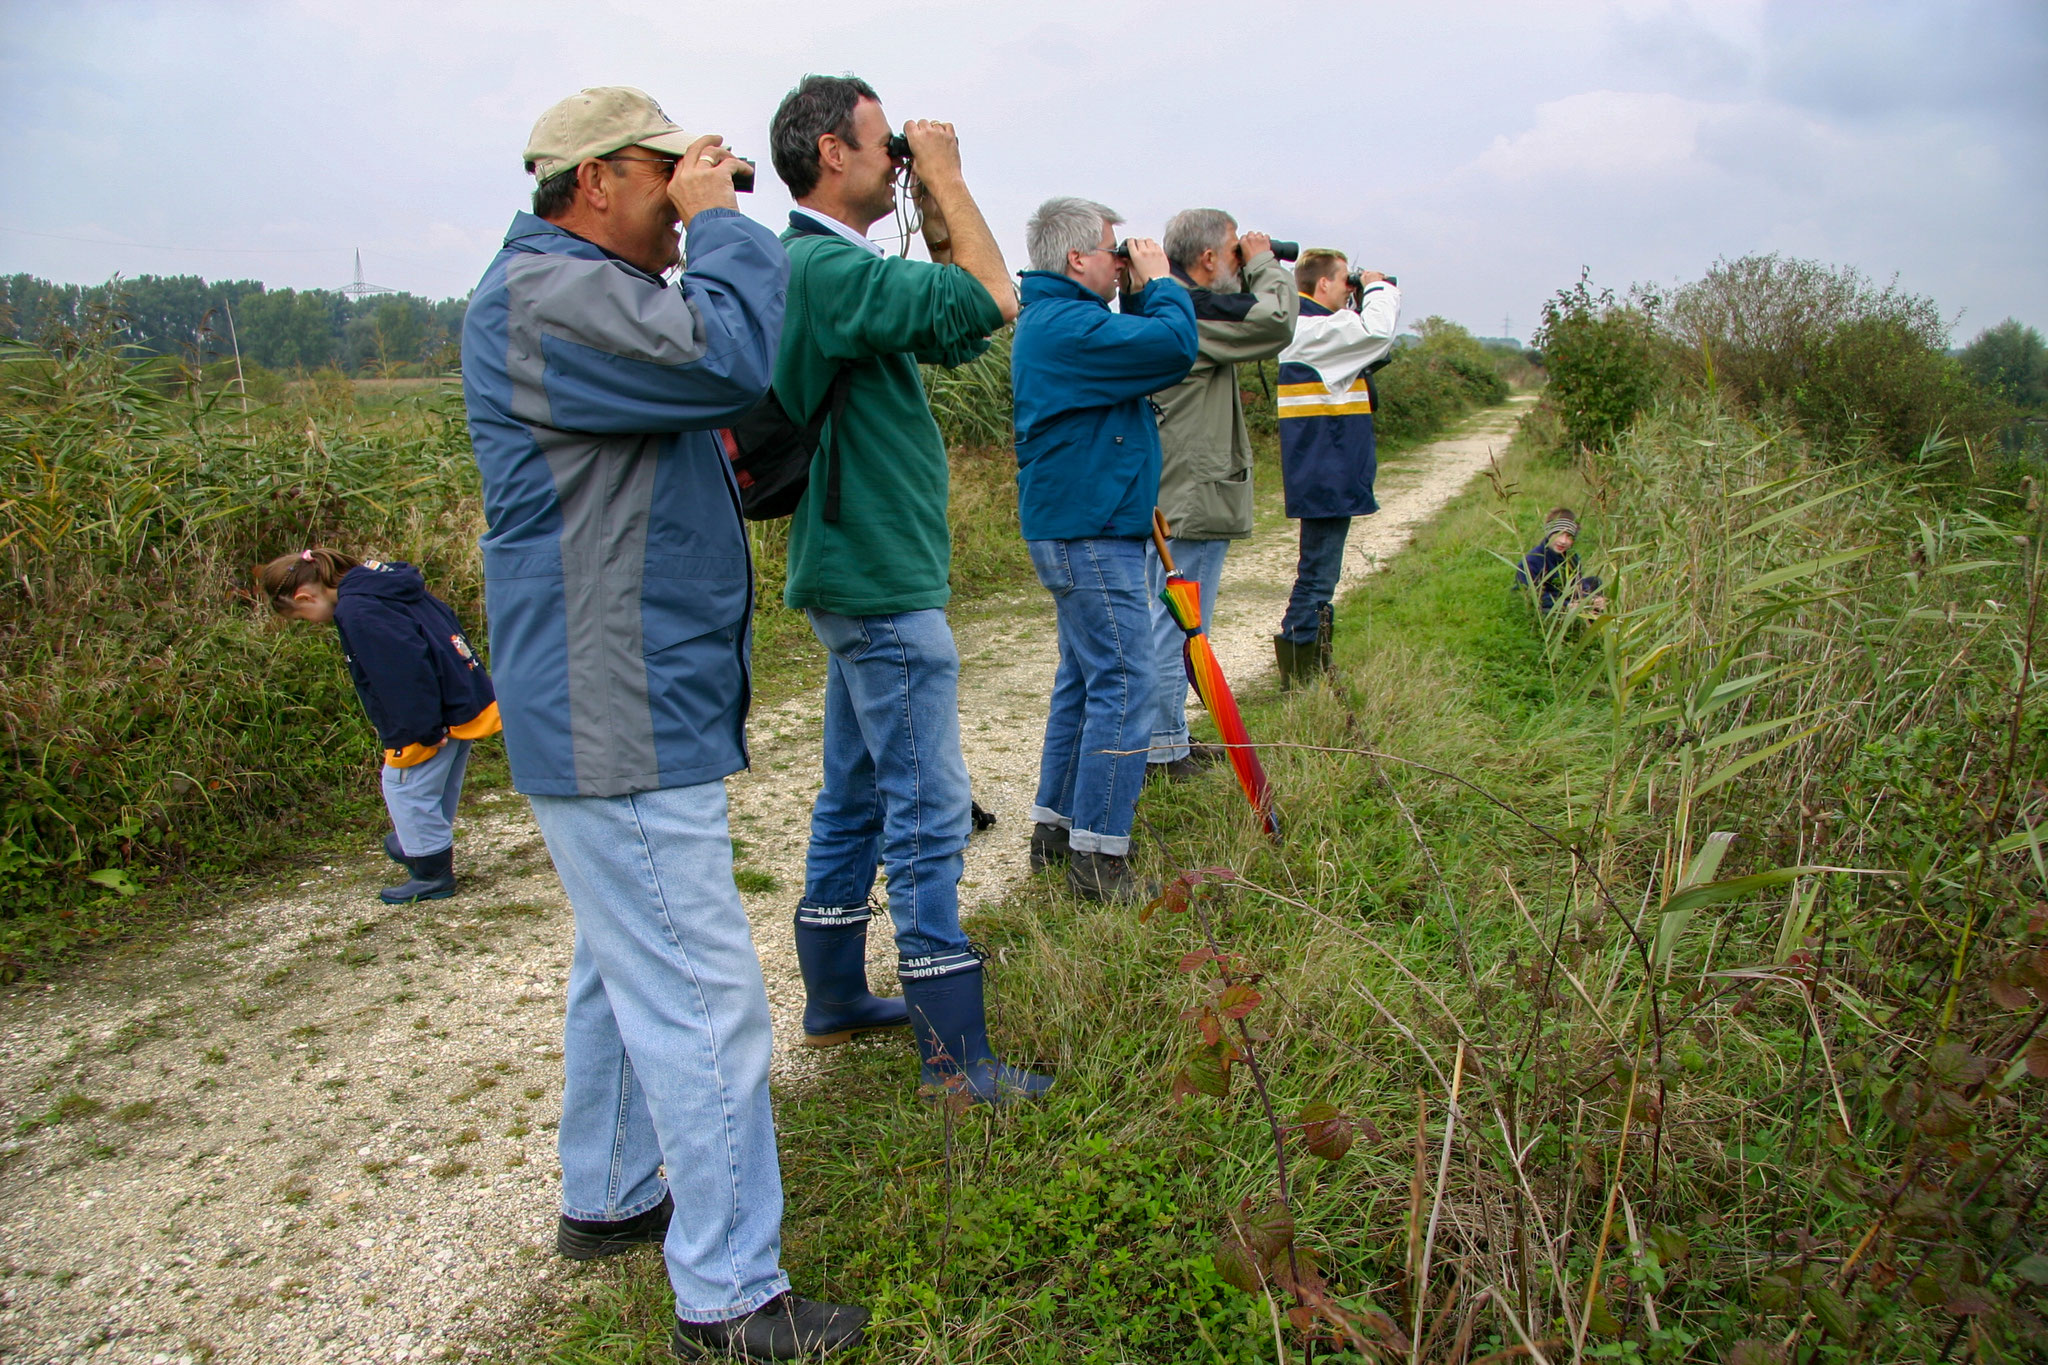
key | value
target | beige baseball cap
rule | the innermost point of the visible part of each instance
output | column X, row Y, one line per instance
column 598, row 122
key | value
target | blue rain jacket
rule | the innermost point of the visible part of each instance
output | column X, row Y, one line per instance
column 1080, row 376
column 616, row 569
column 413, row 668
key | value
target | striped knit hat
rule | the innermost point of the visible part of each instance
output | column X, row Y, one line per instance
column 1565, row 523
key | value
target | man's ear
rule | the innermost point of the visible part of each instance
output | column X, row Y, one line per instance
column 831, row 152
column 591, row 176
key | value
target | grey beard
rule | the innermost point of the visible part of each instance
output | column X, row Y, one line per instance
column 1227, row 282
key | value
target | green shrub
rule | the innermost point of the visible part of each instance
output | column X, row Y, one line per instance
column 1605, row 360
column 1851, row 362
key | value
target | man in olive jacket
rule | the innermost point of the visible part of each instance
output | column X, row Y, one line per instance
column 1245, row 306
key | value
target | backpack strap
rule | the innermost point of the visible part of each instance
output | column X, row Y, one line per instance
column 832, row 407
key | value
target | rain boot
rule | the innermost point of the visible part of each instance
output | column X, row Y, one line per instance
column 948, row 1017
column 1296, row 662
column 394, row 852
column 433, row 879
column 837, row 1001
column 1326, row 639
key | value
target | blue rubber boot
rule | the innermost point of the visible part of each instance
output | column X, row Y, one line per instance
column 837, row 1001
column 394, row 852
column 433, row 879
column 951, row 1024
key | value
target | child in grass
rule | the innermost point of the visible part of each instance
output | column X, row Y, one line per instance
column 1552, row 570
column 420, row 681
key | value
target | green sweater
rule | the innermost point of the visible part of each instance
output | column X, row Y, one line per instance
column 889, row 551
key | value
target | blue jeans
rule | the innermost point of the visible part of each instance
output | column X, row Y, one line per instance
column 895, row 785
column 422, row 799
column 666, row 1046
column 1315, row 576
column 1201, row 560
column 1102, row 694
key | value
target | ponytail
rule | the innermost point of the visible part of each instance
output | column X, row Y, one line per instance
column 286, row 574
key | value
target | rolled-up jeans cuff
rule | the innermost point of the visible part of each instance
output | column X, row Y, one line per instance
column 1046, row 815
column 1168, row 748
column 779, row 1285
column 834, row 916
column 1085, row 841
column 935, row 965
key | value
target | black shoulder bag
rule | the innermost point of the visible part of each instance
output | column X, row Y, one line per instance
column 771, row 454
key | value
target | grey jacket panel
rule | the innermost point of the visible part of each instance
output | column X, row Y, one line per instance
column 1205, row 477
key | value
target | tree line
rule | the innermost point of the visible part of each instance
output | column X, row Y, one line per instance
column 201, row 322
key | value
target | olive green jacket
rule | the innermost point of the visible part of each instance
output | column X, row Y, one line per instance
column 1205, row 477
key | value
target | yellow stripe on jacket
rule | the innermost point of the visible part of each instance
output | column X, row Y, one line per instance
column 1314, row 400
column 482, row 725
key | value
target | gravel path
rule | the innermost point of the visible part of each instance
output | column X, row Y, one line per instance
column 316, row 1128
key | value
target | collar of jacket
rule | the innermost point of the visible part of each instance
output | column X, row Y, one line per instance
column 1213, row 307
column 541, row 237
column 1311, row 309
column 1048, row 284
column 803, row 225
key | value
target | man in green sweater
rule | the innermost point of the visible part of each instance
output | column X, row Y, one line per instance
column 869, row 557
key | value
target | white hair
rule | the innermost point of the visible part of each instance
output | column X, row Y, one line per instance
column 1066, row 224
column 1191, row 232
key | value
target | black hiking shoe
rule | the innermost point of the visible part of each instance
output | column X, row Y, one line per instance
column 1103, row 877
column 784, row 1328
column 583, row 1239
column 1201, row 758
column 1049, row 846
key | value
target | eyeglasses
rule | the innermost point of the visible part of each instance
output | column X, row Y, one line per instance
column 668, row 164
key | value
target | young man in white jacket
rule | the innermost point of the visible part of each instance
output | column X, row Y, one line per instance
column 1326, row 404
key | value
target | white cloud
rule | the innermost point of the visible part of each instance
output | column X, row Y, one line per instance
column 1601, row 133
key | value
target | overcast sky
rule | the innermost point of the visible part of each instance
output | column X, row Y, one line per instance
column 1484, row 153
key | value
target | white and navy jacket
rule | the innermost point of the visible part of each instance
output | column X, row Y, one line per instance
column 1326, row 403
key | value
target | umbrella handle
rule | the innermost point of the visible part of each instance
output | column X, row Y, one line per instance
column 1159, row 535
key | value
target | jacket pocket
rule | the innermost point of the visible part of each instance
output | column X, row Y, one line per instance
column 673, row 610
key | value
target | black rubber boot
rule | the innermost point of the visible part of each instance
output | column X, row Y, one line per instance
column 1295, row 661
column 1103, row 877
column 394, row 852
column 584, row 1239
column 1049, row 846
column 951, row 1024
column 837, row 1002
column 784, row 1328
column 433, row 879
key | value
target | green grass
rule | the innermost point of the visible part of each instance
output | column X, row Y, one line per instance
column 1413, row 908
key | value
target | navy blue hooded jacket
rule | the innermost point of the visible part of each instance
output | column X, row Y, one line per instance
column 1553, row 575
column 412, row 666
column 1080, row 376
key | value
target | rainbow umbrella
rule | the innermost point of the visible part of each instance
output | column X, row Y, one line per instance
column 1183, row 599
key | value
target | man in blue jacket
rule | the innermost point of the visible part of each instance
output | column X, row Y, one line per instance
column 619, row 590
column 1087, row 481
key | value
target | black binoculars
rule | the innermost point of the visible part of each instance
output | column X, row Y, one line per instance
column 1282, row 251
column 743, row 181
column 899, row 147
column 1356, row 279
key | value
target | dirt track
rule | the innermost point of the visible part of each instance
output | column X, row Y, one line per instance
column 315, row 1128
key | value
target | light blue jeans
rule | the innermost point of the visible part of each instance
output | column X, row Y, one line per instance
column 665, row 1050
column 1201, row 560
column 422, row 799
column 1102, row 694
column 895, row 785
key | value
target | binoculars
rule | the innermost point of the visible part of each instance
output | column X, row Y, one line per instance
column 1356, row 279
column 1282, row 251
column 743, row 181
column 899, row 147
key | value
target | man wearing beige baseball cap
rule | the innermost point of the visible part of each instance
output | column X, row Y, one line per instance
column 620, row 593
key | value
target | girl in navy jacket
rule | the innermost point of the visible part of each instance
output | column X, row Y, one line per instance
column 422, row 684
